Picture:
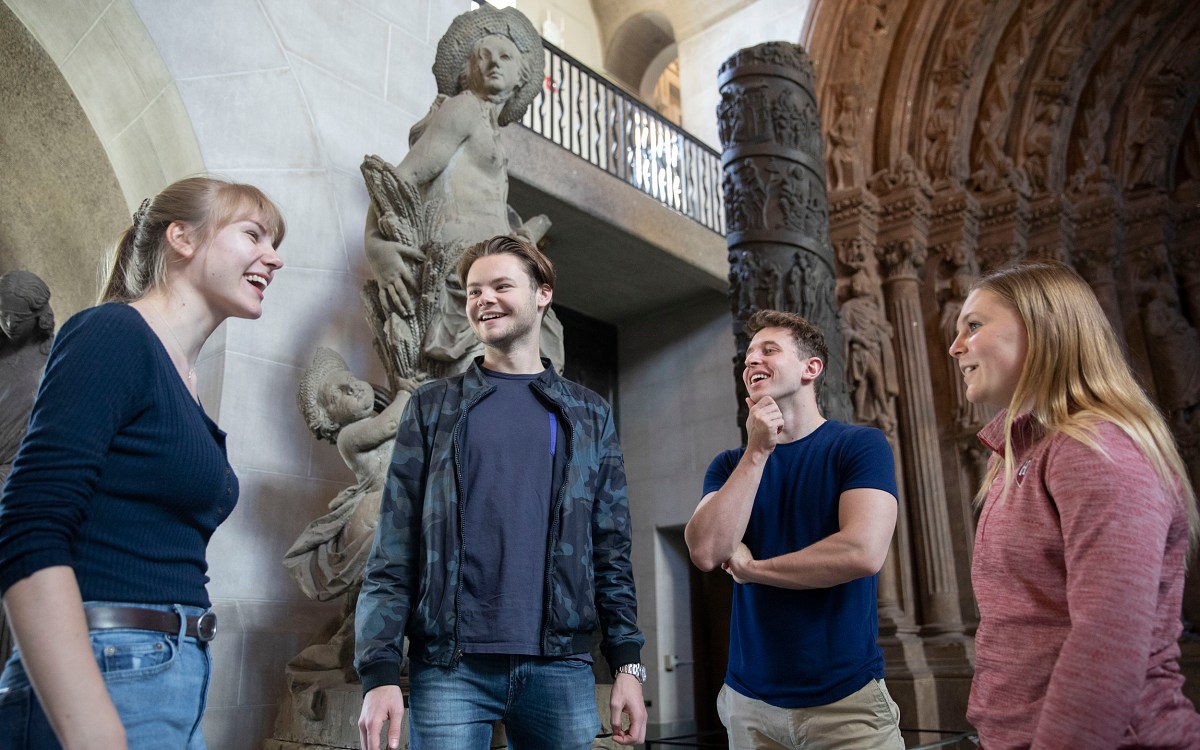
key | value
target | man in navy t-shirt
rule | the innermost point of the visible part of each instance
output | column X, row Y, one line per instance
column 802, row 518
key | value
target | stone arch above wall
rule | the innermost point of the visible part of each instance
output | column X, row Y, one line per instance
column 60, row 203
column 108, row 59
column 635, row 46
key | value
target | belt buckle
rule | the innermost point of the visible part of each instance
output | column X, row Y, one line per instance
column 206, row 626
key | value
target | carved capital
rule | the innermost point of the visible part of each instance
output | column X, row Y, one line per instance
column 853, row 252
column 901, row 259
column 902, row 174
column 1095, row 262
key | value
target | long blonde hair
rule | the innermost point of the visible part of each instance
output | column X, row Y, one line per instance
column 1075, row 375
column 138, row 262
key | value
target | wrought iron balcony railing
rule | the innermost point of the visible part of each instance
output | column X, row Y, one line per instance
column 596, row 120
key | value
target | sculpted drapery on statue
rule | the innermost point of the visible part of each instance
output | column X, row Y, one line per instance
column 449, row 192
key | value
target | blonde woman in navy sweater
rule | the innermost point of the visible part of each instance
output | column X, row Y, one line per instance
column 122, row 479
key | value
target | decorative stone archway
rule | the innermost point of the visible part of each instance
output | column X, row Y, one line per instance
column 962, row 134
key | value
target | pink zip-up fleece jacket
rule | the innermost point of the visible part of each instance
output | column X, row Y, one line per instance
column 1079, row 576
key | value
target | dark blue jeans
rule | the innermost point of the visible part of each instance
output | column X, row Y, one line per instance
column 545, row 704
column 158, row 683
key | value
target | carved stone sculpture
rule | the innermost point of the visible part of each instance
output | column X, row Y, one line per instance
column 327, row 559
column 775, row 201
column 449, row 192
column 1174, row 347
column 26, row 330
column 870, row 360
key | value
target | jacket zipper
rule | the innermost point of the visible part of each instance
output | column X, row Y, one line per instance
column 462, row 534
column 555, row 513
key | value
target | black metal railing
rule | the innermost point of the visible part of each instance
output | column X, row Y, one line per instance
column 598, row 121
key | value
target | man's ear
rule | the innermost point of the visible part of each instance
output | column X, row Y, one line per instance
column 544, row 295
column 180, row 238
column 813, row 367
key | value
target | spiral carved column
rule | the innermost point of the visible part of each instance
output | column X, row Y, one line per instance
column 776, row 210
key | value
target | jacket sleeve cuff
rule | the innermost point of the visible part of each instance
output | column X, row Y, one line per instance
column 626, row 653
column 379, row 673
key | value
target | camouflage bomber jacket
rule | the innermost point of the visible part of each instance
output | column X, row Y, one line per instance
column 410, row 585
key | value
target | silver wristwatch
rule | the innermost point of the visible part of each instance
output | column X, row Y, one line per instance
column 637, row 670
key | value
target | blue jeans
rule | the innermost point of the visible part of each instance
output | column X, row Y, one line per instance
column 158, row 683
column 545, row 704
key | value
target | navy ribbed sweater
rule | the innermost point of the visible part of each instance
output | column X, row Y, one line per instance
column 121, row 476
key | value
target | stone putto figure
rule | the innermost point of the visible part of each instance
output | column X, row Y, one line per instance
column 327, row 559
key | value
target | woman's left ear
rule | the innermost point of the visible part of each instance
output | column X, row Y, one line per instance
column 179, row 237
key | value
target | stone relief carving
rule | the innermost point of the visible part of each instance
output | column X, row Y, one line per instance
column 781, row 54
column 948, row 82
column 1103, row 90
column 870, row 359
column 991, row 163
column 1040, row 141
column 845, row 160
column 865, row 22
column 1174, row 347
column 26, row 332
column 774, row 189
column 903, row 174
column 745, row 197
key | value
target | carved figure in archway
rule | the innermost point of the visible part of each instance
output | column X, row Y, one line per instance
column 1174, row 347
column 843, row 142
column 26, row 330
column 870, row 360
column 449, row 192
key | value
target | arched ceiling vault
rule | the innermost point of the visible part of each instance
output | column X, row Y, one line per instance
column 1034, row 94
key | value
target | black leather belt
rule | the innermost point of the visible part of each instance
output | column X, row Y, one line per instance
column 202, row 628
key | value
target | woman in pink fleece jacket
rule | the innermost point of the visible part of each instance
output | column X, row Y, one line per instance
column 1086, row 524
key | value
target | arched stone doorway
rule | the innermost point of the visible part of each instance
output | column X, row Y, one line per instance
column 962, row 134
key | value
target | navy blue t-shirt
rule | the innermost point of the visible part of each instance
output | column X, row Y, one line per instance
column 511, row 439
column 798, row 649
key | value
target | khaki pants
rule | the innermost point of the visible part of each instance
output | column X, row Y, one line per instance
column 865, row 720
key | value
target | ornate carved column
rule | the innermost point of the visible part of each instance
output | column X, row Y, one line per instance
column 1185, row 258
column 1052, row 227
column 1100, row 237
column 1185, row 254
column 1150, row 232
column 952, row 267
column 852, row 228
column 905, row 197
column 1004, row 225
column 775, row 202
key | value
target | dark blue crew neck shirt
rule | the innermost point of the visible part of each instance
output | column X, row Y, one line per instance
column 512, row 436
